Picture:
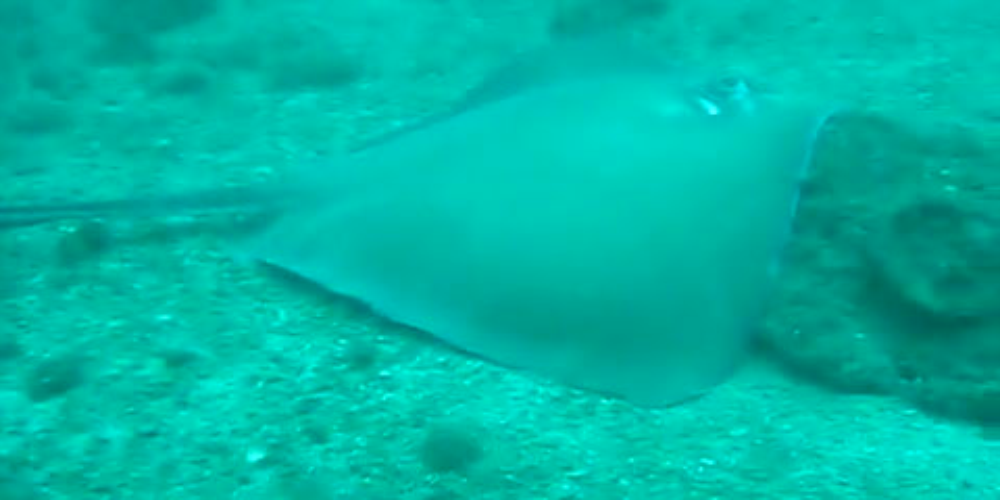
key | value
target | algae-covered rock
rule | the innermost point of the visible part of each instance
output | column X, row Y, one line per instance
column 892, row 283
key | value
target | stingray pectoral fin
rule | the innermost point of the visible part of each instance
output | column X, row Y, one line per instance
column 582, row 300
column 601, row 232
column 669, row 352
column 612, row 287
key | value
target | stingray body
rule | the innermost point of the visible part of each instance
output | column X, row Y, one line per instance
column 612, row 225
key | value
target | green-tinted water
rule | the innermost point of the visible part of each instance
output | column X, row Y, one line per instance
column 139, row 359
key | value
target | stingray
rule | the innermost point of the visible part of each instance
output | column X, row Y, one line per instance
column 587, row 214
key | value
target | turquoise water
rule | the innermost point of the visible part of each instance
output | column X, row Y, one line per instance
column 140, row 359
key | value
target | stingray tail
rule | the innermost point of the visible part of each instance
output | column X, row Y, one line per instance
column 218, row 201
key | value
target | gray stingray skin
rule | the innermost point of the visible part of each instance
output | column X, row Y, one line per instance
column 606, row 221
column 613, row 231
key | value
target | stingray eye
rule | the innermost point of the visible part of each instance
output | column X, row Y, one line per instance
column 726, row 96
column 732, row 85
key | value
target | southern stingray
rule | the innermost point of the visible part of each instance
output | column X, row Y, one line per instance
column 587, row 213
